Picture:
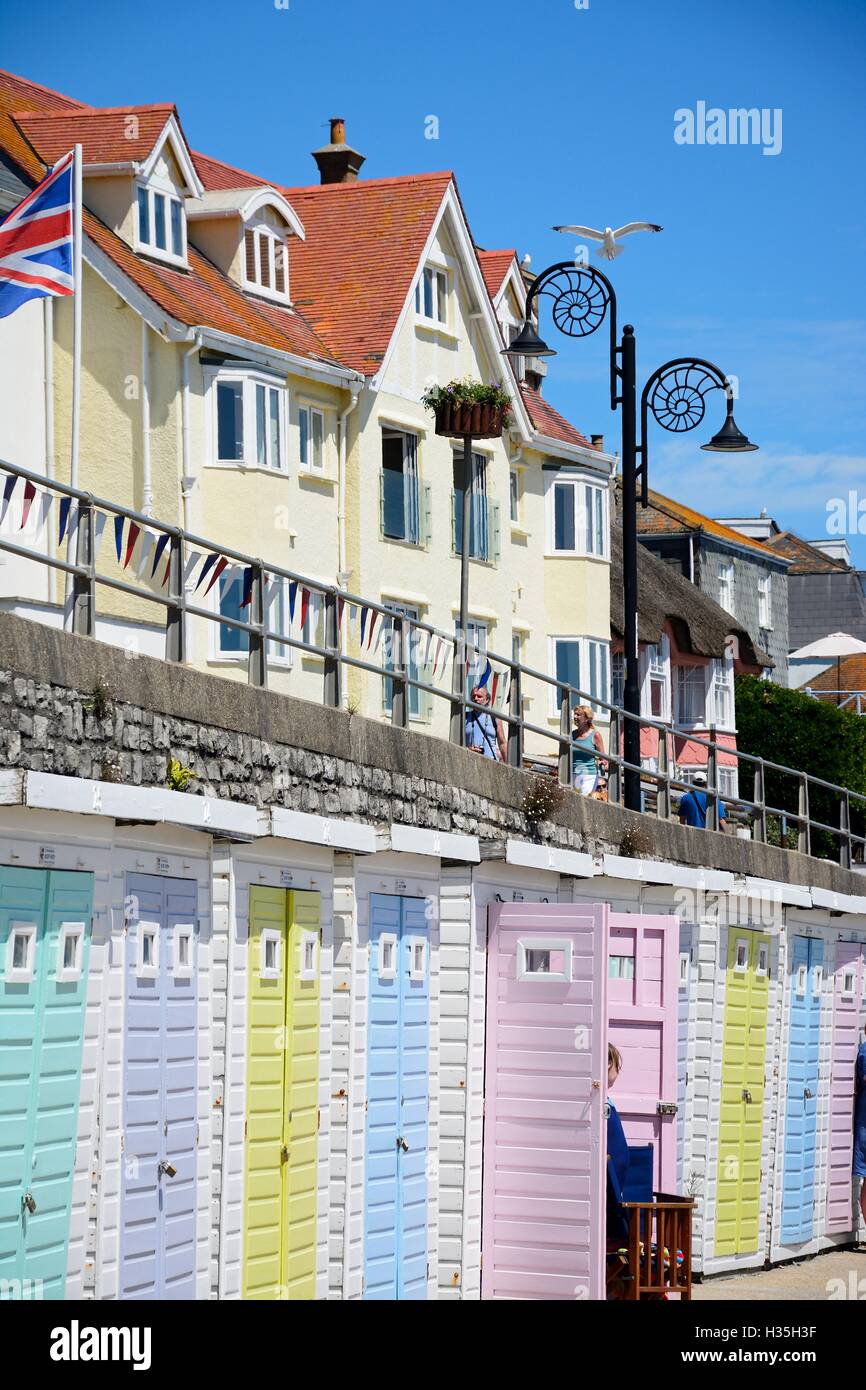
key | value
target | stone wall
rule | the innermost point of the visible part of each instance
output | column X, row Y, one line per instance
column 81, row 708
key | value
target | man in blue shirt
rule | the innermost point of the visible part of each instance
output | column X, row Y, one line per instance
column 693, row 807
column 484, row 734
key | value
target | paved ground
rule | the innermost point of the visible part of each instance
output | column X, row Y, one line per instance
column 840, row 1274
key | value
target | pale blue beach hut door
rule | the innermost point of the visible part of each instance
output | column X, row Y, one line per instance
column 801, row 1108
column 159, row 1094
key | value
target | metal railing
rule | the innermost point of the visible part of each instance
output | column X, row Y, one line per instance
column 854, row 700
column 404, row 668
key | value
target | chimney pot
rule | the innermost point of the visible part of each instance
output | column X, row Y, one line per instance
column 337, row 161
column 338, row 130
column 597, row 441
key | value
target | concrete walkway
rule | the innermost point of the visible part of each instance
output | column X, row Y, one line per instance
column 837, row 1275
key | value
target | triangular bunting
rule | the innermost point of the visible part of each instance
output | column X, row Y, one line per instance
column 8, row 489
column 65, row 504
column 293, row 594
column 248, row 586
column 305, row 603
column 147, row 540
column 118, row 536
column 206, row 569
column 160, row 547
column 221, row 564
column 192, row 560
column 131, row 537
column 29, row 494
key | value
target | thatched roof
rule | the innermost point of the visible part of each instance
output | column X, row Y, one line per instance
column 700, row 625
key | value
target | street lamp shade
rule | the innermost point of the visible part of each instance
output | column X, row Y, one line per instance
column 730, row 438
column 528, row 344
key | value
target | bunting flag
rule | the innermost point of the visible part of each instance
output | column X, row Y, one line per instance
column 493, row 689
column 192, row 560
column 118, row 536
column 305, row 603
column 221, row 564
column 232, row 577
column 293, row 594
column 65, row 504
column 273, row 587
column 374, row 618
column 385, row 623
column 29, row 494
column 247, row 593
column 206, row 569
column 160, row 547
column 353, row 619
column 100, row 520
column 488, row 672
column 363, row 624
column 429, row 645
column 341, row 604
column 45, row 504
column 147, row 539
column 438, row 654
column 8, row 489
column 131, row 537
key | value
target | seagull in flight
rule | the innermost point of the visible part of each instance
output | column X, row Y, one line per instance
column 609, row 238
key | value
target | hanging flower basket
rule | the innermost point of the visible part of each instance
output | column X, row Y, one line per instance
column 468, row 407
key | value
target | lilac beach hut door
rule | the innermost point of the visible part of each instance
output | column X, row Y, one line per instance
column 546, row 1079
column 642, row 1012
column 848, row 985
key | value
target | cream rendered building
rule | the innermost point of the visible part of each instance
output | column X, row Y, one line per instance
column 254, row 358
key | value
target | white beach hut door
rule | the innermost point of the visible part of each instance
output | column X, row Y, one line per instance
column 545, row 1081
column 159, row 1105
column 643, row 964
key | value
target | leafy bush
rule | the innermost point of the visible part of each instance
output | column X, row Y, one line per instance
column 544, row 796
column 467, row 391
column 786, row 726
column 178, row 777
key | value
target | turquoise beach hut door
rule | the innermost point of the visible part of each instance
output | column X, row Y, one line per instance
column 801, row 1108
column 395, row 1202
column 45, row 926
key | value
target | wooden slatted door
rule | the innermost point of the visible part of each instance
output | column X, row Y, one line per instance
column 282, row 1121
column 396, row 1178
column 741, row 1111
column 545, row 1082
column 684, row 994
column 849, row 981
column 801, row 1103
column 642, row 1002
column 160, row 1127
column 45, row 929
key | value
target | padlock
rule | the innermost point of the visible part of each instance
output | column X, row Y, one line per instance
column 167, row 1168
column 29, row 1201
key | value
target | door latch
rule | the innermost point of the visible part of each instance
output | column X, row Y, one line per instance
column 284, row 1153
column 666, row 1107
column 167, row 1168
column 747, row 1096
column 28, row 1202
column 401, row 1144
column 807, row 1094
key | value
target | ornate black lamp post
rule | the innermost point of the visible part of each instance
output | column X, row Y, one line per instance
column 675, row 397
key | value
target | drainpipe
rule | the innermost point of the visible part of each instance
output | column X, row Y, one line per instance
column 692, row 558
column 187, row 481
column 343, row 577
column 146, row 482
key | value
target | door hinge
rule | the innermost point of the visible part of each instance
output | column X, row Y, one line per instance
column 318, row 1120
column 246, row 1122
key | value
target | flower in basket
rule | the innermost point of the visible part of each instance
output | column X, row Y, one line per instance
column 466, row 391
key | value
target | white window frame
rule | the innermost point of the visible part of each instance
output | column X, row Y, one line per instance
column 413, row 496
column 656, row 663
column 802, row 980
column 270, row 936
column 438, row 272
column 157, row 186
column 214, row 377
column 619, row 974
column 685, row 969
column 309, row 465
column 721, row 678
column 765, row 603
column 726, row 577
column 277, row 586
column 183, row 931
column 21, row 974
column 386, row 965
column 681, row 720
column 416, row 943
column 589, row 649
column 143, row 970
column 275, row 239
column 545, row 943
column 818, row 981
column 308, row 942
column 70, row 931
column 741, row 969
column 580, row 484
column 515, row 495
column 849, row 991
column 763, row 966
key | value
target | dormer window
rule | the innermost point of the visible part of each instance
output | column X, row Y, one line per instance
column 161, row 222
column 266, row 262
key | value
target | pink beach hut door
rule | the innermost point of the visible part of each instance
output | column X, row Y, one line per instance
column 848, row 984
column 546, row 1078
column 642, row 1009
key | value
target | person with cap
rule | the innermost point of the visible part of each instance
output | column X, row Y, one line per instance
column 693, row 807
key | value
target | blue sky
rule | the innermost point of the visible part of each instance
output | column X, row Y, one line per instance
column 549, row 113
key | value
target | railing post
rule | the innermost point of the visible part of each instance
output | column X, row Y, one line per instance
column 759, row 796
column 331, row 692
column 399, row 703
column 84, row 586
column 257, row 667
column 175, row 614
column 458, row 688
column 663, row 785
column 515, row 709
column 846, row 849
column 713, row 781
column 565, row 760
column 614, row 771
column 804, row 828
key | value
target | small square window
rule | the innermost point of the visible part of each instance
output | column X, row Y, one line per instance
column 741, row 959
column 147, row 955
column 620, row 967
column 818, row 980
column 544, row 958
column 417, row 958
column 849, row 982
column 308, row 955
column 70, row 952
column 20, row 953
column 387, row 957
column 269, row 966
column 182, row 964
column 763, row 958
column 685, row 969
column 802, row 974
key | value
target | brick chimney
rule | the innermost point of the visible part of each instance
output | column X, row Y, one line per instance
column 338, row 162
column 597, row 441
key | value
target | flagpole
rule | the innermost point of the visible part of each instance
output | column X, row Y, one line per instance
column 76, row 319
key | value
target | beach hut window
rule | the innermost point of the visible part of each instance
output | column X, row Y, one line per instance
column 20, row 953
column 802, row 972
column 848, row 980
column 742, row 958
column 309, row 950
column 417, row 957
column 685, row 969
column 147, row 962
column 270, row 957
column 763, row 958
column 70, row 949
column 388, row 956
column 620, row 967
column 544, row 959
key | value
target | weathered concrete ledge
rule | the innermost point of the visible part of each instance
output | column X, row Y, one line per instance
column 267, row 749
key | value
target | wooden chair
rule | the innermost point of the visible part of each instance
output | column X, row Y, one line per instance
column 657, row 1226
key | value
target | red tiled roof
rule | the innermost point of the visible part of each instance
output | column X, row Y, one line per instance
column 850, row 675
column 806, row 558
column 110, row 135
column 549, row 421
column 665, row 517
column 494, row 267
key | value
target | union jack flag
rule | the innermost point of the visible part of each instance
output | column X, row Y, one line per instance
column 36, row 241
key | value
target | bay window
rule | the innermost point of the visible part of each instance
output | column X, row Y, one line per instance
column 247, row 415
column 657, row 677
column 577, row 517
column 584, row 664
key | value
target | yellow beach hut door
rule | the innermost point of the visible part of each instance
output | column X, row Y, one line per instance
column 282, row 1119
column 741, row 1124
